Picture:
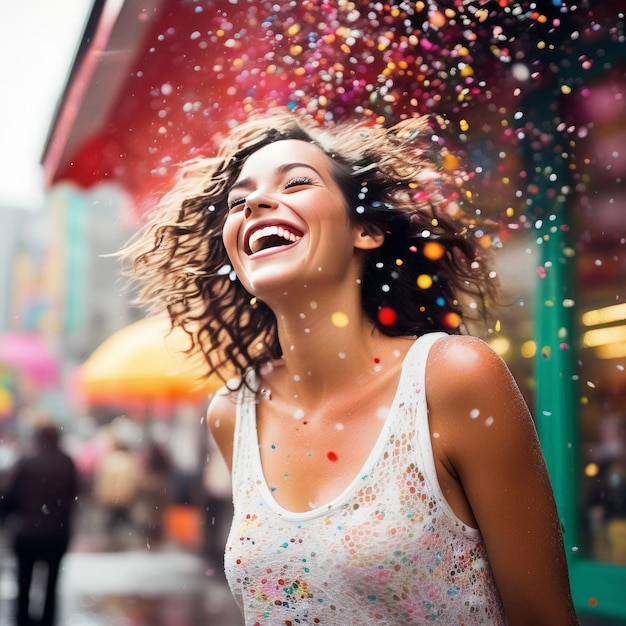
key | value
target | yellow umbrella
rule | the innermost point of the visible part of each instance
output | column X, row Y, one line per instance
column 142, row 362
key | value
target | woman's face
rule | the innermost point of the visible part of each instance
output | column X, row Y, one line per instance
column 288, row 224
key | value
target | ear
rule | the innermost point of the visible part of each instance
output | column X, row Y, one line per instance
column 368, row 237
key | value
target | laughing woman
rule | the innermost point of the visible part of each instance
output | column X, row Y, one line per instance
column 385, row 467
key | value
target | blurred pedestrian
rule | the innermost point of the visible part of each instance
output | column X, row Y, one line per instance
column 154, row 493
column 39, row 501
column 115, row 487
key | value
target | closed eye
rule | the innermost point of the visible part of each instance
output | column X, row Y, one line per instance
column 233, row 204
column 297, row 181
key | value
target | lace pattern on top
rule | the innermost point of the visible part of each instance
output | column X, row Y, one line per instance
column 388, row 551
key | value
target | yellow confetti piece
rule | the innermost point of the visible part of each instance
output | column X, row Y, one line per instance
column 339, row 319
column 424, row 281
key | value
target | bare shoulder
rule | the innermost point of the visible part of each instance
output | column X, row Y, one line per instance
column 476, row 408
column 221, row 418
column 464, row 354
column 468, row 369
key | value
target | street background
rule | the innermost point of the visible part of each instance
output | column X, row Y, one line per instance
column 138, row 586
column 101, row 101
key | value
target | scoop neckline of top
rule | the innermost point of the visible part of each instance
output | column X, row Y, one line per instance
column 373, row 455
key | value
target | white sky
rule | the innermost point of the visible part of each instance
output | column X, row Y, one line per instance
column 38, row 40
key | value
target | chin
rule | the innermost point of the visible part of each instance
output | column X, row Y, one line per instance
column 271, row 281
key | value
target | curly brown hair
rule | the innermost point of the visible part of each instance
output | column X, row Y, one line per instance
column 429, row 274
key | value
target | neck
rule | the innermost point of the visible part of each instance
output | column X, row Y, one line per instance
column 327, row 347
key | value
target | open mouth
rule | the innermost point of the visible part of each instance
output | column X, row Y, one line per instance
column 271, row 237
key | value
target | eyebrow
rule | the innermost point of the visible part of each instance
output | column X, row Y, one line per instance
column 281, row 169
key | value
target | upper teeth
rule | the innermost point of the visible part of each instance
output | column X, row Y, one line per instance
column 268, row 231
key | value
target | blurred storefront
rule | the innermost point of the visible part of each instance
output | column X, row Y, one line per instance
column 598, row 237
column 534, row 99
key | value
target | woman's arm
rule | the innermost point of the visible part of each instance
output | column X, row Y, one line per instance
column 487, row 441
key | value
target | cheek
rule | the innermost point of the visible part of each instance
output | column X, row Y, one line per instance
column 230, row 237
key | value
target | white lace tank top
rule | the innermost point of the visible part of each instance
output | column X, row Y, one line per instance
column 388, row 551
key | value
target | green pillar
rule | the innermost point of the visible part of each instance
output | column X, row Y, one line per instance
column 556, row 408
column 557, row 394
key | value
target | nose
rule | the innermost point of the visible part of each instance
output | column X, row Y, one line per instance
column 258, row 200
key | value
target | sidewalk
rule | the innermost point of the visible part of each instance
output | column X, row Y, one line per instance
column 168, row 585
column 144, row 589
column 138, row 588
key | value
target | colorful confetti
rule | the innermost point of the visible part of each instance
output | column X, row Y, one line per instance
column 387, row 316
column 480, row 66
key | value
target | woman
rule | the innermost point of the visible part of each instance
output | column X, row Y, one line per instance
column 385, row 466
